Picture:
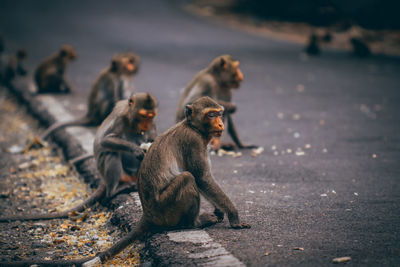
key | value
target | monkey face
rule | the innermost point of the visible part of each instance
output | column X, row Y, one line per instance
column 144, row 119
column 68, row 52
column 230, row 74
column 236, row 74
column 129, row 68
column 213, row 122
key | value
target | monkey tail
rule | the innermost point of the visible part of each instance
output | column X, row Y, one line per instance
column 65, row 214
column 81, row 158
column 84, row 121
column 139, row 232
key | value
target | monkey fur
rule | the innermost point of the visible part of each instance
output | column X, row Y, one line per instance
column 117, row 151
column 173, row 174
column 49, row 75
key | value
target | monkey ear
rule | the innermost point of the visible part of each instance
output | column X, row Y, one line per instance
column 222, row 63
column 131, row 101
column 188, row 111
column 114, row 65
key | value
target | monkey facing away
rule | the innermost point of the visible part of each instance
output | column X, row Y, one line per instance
column 117, row 151
column 106, row 91
column 15, row 66
column 173, row 174
column 49, row 75
column 216, row 81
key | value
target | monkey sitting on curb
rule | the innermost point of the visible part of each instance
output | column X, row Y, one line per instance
column 49, row 75
column 216, row 81
column 106, row 91
column 117, row 151
column 173, row 174
column 14, row 66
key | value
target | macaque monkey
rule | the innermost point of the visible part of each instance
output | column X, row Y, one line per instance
column 117, row 151
column 360, row 48
column 49, row 75
column 106, row 91
column 216, row 81
column 15, row 66
column 173, row 174
column 312, row 47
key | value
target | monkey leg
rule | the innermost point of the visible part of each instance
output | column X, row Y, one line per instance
column 181, row 204
column 113, row 174
column 55, row 83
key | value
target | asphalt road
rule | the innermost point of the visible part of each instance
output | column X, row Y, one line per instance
column 337, row 196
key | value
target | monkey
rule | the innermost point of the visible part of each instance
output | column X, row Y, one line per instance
column 14, row 66
column 360, row 48
column 216, row 81
column 49, row 75
column 117, row 151
column 173, row 174
column 312, row 47
column 106, row 91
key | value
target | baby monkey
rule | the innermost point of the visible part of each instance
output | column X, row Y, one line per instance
column 106, row 91
column 117, row 151
column 49, row 75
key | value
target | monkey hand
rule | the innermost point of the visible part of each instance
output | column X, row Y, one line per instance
column 138, row 153
column 243, row 146
column 240, row 225
column 235, row 222
column 231, row 108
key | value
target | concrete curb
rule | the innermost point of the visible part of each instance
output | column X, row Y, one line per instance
column 174, row 248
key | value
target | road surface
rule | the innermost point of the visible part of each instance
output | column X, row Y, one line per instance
column 327, row 183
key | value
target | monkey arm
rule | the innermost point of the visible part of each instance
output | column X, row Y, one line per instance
column 152, row 133
column 209, row 188
column 234, row 135
column 114, row 143
column 213, row 193
column 228, row 106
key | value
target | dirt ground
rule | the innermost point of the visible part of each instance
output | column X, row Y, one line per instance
column 385, row 42
column 38, row 180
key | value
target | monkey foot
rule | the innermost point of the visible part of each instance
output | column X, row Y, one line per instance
column 207, row 219
column 128, row 178
column 240, row 226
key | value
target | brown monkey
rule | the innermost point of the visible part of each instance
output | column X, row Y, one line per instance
column 360, row 48
column 173, row 174
column 312, row 47
column 217, row 82
column 117, row 151
column 106, row 91
column 49, row 75
column 15, row 66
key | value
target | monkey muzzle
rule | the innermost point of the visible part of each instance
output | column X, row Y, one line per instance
column 216, row 133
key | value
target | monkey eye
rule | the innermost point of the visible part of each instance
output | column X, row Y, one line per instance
column 150, row 115
column 214, row 114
